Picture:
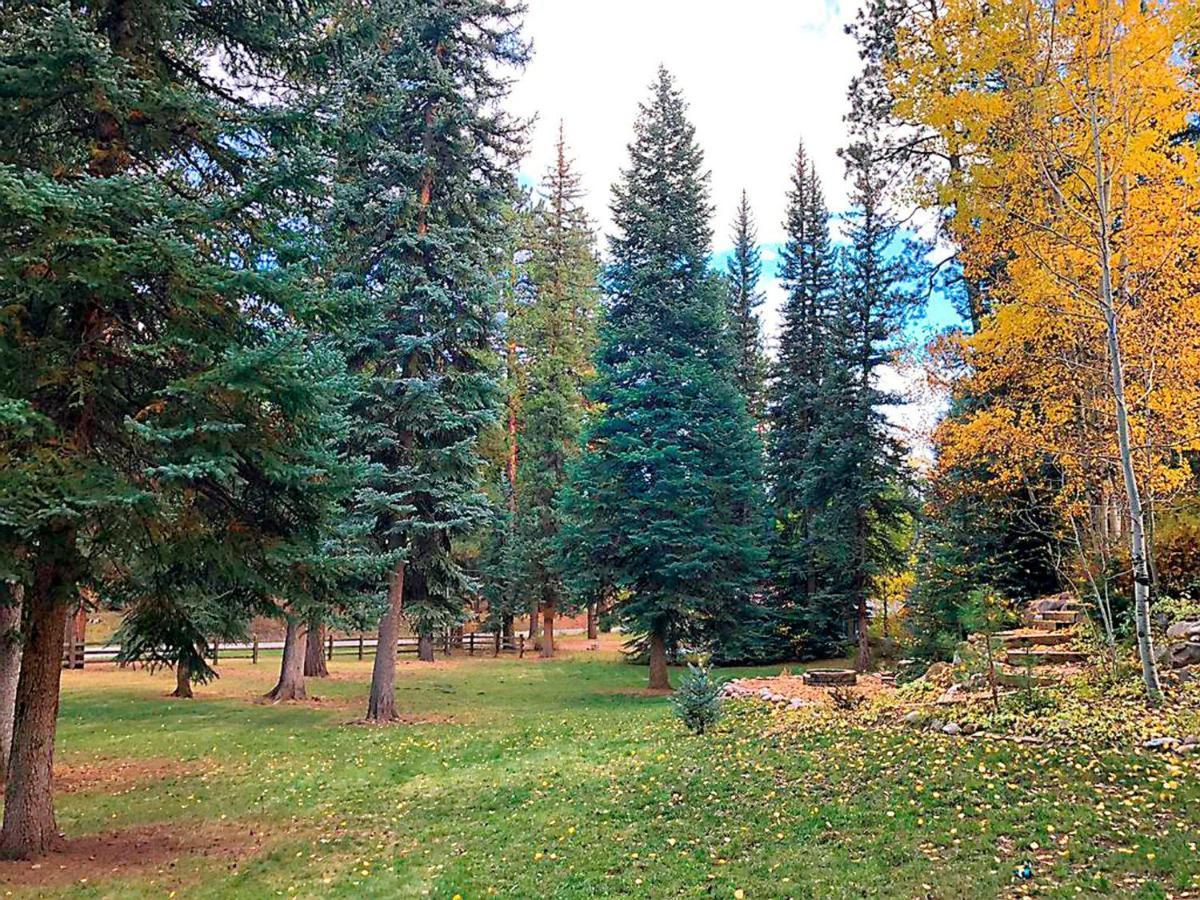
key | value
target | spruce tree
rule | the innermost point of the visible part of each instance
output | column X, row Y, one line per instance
column 808, row 274
column 659, row 502
column 425, row 179
column 167, row 405
column 743, row 272
column 858, row 474
column 558, row 328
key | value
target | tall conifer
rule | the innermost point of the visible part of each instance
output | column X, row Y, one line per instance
column 743, row 272
column 807, row 274
column 167, row 409
column 558, row 328
column 857, row 474
column 659, row 502
column 425, row 179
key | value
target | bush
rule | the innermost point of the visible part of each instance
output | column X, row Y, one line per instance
column 698, row 700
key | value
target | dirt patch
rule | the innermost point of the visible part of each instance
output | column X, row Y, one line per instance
column 643, row 692
column 792, row 687
column 117, row 776
column 133, row 851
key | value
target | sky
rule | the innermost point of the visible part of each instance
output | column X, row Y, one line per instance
column 759, row 77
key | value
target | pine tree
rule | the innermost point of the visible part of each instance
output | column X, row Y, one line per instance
column 167, row 407
column 743, row 272
column 858, row 474
column 558, row 327
column 659, row 504
column 807, row 273
column 425, row 179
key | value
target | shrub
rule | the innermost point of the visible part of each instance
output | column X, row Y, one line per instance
column 698, row 699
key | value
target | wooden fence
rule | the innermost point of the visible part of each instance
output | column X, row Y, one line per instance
column 474, row 643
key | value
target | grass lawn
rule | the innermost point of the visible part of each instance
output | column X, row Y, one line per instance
column 563, row 779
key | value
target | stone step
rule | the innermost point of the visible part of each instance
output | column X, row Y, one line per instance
column 1019, row 639
column 1060, row 617
column 1044, row 657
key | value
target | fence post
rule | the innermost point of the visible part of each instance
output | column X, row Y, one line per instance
column 254, row 649
column 360, row 647
column 471, row 644
column 330, row 656
column 497, row 653
column 521, row 646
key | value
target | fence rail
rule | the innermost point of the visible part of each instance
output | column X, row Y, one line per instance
column 76, row 655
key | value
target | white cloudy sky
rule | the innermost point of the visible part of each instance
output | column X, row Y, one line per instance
column 759, row 75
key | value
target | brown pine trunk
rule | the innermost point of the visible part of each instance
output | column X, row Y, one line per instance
column 864, row 641
column 533, row 623
column 10, row 665
column 183, row 681
column 291, row 670
column 659, row 679
column 593, row 628
column 381, row 704
column 547, row 629
column 314, row 652
column 425, row 647
column 29, row 828
column 506, row 627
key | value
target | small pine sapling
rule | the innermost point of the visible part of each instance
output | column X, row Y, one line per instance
column 698, row 699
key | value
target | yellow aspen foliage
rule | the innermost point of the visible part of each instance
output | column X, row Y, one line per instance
column 1064, row 121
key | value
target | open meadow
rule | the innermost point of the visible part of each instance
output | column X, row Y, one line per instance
column 565, row 778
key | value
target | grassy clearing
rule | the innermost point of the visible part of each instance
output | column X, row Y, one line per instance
column 561, row 779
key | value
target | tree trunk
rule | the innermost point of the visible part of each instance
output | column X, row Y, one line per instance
column 425, row 647
column 659, row 679
column 1138, row 550
column 533, row 622
column 864, row 639
column 381, row 704
column 183, row 681
column 547, row 630
column 291, row 670
column 506, row 626
column 314, row 652
column 593, row 629
column 10, row 665
column 29, row 828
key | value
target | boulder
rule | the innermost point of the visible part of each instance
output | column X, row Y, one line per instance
column 951, row 728
column 1184, row 630
column 914, row 717
column 1187, row 654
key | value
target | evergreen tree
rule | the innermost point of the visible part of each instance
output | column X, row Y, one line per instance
column 808, row 274
column 743, row 272
column 858, row 473
column 558, row 327
column 425, row 179
column 167, row 407
column 660, row 502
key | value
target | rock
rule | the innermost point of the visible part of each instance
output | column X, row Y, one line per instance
column 1051, row 604
column 914, row 717
column 795, row 703
column 937, row 725
column 970, row 728
column 1187, row 748
column 937, row 670
column 951, row 728
column 1185, row 654
column 1161, row 743
column 1183, row 630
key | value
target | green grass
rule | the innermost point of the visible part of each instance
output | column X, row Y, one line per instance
column 560, row 779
